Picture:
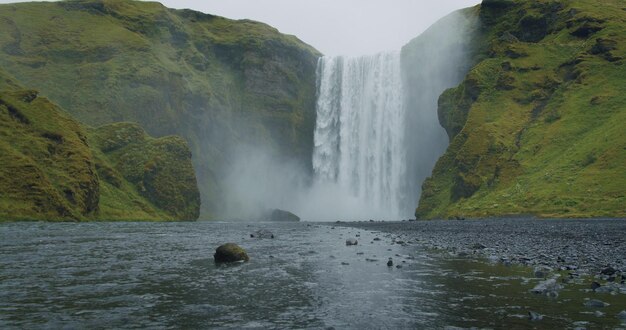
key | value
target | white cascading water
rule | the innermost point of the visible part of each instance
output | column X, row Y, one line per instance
column 359, row 135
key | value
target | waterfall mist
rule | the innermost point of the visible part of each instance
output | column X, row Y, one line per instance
column 436, row 60
column 377, row 135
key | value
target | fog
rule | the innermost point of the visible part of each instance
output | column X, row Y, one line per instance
column 259, row 180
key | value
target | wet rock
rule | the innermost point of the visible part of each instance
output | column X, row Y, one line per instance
column 377, row 238
column 390, row 263
column 478, row 246
column 609, row 271
column 534, row 316
column 595, row 303
column 549, row 288
column 230, row 252
column 351, row 241
column 598, row 314
column 542, row 272
column 262, row 233
column 609, row 288
column 595, row 285
column 371, row 259
column 622, row 315
column 345, row 263
column 398, row 266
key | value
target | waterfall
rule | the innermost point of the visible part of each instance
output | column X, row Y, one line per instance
column 359, row 133
column 377, row 134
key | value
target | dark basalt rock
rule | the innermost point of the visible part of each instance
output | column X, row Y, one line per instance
column 283, row 216
column 609, row 271
column 230, row 252
column 262, row 233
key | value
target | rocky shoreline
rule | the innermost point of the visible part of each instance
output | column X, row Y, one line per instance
column 581, row 247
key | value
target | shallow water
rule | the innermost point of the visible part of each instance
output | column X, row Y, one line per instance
column 162, row 275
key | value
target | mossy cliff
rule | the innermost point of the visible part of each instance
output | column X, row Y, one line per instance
column 54, row 168
column 216, row 82
column 537, row 125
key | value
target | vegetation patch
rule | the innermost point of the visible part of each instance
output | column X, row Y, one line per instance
column 545, row 135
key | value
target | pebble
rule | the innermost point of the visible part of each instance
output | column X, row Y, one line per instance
column 595, row 303
column 571, row 244
column 534, row 316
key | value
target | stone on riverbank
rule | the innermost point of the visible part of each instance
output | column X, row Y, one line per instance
column 534, row 316
column 549, row 288
column 230, row 252
column 594, row 303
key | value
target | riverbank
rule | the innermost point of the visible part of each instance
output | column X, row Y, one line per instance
column 582, row 247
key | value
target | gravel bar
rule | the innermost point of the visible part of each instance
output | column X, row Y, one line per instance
column 586, row 246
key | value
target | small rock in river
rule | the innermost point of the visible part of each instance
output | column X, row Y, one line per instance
column 534, row 316
column 542, row 272
column 262, row 233
column 622, row 315
column 594, row 303
column 377, row 238
column 230, row 252
column 548, row 287
column 351, row 241
column 345, row 263
column 390, row 263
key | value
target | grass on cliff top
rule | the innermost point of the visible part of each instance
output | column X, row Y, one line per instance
column 546, row 136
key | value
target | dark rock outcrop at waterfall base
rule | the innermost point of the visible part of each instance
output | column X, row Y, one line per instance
column 216, row 82
column 536, row 127
column 282, row 216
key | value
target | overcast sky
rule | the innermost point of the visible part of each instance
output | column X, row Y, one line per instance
column 336, row 27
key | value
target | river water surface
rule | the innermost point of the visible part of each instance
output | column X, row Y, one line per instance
column 162, row 275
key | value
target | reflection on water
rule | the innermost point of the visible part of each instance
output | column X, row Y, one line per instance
column 162, row 275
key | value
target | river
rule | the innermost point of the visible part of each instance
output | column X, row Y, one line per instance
column 162, row 275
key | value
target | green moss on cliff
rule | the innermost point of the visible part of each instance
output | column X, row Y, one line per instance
column 541, row 130
column 214, row 81
column 159, row 170
column 55, row 169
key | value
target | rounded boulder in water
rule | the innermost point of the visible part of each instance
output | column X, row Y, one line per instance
column 351, row 241
column 230, row 252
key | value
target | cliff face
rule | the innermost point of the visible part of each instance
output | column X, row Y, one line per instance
column 537, row 125
column 53, row 168
column 214, row 81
